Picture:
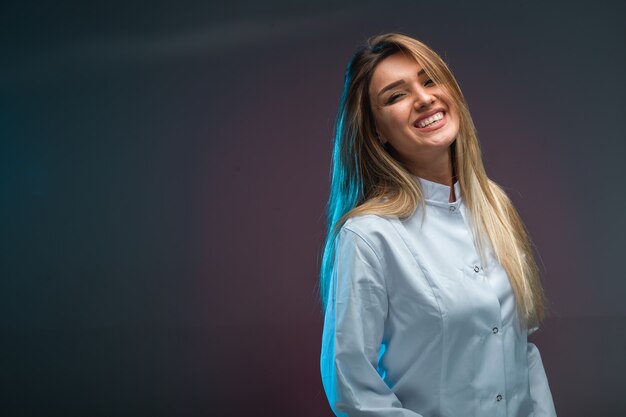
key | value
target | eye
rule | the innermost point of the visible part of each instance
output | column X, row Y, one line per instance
column 394, row 97
column 429, row 80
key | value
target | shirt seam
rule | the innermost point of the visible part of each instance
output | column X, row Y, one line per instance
column 432, row 290
column 378, row 258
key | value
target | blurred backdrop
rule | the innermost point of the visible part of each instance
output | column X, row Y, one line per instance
column 164, row 168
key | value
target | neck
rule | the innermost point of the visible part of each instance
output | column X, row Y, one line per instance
column 435, row 168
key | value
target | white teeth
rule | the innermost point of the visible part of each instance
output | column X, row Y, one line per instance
column 431, row 119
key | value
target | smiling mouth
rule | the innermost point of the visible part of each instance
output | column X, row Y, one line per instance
column 430, row 121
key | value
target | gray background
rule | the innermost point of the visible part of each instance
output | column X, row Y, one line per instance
column 164, row 169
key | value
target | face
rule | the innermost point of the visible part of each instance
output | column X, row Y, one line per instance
column 402, row 98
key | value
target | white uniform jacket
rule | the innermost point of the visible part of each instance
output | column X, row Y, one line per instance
column 416, row 326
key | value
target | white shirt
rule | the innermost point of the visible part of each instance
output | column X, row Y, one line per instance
column 416, row 326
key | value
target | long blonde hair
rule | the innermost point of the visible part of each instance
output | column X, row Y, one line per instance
column 366, row 179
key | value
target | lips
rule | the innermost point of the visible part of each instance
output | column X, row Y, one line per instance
column 427, row 115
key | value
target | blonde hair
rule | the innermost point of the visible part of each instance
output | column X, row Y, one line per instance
column 366, row 179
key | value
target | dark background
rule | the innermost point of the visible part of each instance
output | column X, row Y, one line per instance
column 164, row 169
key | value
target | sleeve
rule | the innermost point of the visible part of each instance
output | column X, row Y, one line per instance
column 353, row 332
column 543, row 404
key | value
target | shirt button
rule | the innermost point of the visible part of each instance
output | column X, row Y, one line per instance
column 495, row 330
column 499, row 397
column 452, row 208
column 476, row 268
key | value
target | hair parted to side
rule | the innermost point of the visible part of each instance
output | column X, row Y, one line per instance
column 366, row 179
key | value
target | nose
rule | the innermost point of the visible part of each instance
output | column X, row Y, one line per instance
column 423, row 98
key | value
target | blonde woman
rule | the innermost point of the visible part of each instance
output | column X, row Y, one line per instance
column 428, row 280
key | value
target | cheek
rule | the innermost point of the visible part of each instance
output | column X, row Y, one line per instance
column 396, row 118
column 389, row 126
column 457, row 120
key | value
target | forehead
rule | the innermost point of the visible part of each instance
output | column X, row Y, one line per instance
column 392, row 68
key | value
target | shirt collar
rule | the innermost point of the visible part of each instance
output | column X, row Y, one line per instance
column 434, row 191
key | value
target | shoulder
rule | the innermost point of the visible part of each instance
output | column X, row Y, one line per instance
column 373, row 229
column 366, row 223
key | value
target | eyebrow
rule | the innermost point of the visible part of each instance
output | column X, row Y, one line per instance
column 397, row 83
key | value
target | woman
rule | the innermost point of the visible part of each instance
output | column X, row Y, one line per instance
column 428, row 280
